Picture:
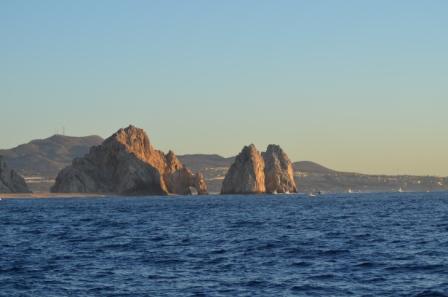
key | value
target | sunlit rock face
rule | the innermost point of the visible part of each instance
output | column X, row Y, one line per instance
column 126, row 163
column 10, row 181
column 179, row 179
column 278, row 171
column 246, row 175
column 254, row 173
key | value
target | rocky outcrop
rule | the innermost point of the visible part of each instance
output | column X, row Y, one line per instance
column 179, row 179
column 246, row 175
column 253, row 173
column 278, row 171
column 10, row 181
column 126, row 163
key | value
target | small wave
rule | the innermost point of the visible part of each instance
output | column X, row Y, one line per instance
column 294, row 251
column 301, row 264
column 333, row 252
column 157, row 238
column 425, row 268
column 215, row 261
column 218, row 252
column 304, row 288
column 262, row 247
column 431, row 294
column 322, row 276
column 367, row 264
column 242, row 224
column 255, row 283
column 156, row 276
column 168, row 261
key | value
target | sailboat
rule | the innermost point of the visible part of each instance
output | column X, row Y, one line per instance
column 400, row 190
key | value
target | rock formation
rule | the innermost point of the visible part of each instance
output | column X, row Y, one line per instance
column 179, row 179
column 10, row 181
column 252, row 172
column 126, row 163
column 246, row 175
column 278, row 171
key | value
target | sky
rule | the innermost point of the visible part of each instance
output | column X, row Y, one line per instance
column 354, row 85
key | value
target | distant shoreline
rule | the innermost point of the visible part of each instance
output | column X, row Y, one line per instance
column 102, row 195
column 51, row 195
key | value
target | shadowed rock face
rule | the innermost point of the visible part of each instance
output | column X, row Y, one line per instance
column 278, row 171
column 126, row 163
column 10, row 181
column 246, row 175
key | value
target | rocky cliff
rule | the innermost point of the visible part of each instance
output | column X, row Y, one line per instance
column 252, row 172
column 246, row 175
column 278, row 171
column 10, row 181
column 179, row 179
column 126, row 163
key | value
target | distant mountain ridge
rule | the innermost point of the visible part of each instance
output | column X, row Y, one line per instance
column 46, row 157
column 200, row 161
column 308, row 166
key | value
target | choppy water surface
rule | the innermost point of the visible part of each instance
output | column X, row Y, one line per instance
column 357, row 245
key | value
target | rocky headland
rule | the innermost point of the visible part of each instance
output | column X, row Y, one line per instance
column 127, row 164
column 253, row 172
column 10, row 181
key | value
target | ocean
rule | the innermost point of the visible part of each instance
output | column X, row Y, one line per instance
column 388, row 244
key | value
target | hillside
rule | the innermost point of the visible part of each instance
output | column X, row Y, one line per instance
column 45, row 157
column 308, row 166
column 201, row 161
column 214, row 168
column 39, row 161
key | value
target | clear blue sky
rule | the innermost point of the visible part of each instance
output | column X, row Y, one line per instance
column 354, row 85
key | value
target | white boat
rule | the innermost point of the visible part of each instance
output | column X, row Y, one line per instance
column 314, row 194
column 400, row 190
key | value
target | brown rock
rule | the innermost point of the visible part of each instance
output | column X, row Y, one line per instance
column 10, row 181
column 126, row 163
column 199, row 184
column 246, row 175
column 278, row 171
column 180, row 179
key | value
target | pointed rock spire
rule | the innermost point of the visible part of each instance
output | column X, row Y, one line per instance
column 246, row 175
column 278, row 171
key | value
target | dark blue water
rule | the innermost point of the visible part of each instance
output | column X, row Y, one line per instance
column 357, row 245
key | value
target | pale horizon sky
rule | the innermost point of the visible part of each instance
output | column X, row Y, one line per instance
column 353, row 85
